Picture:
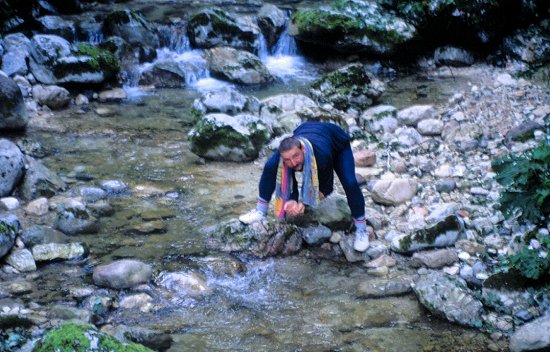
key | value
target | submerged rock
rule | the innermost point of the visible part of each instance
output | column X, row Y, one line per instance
column 448, row 297
column 184, row 283
column 124, row 273
column 39, row 181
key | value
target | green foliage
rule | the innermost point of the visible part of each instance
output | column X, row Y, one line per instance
column 527, row 181
column 531, row 263
column 76, row 338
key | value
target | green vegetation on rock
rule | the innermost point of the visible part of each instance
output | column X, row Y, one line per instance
column 101, row 59
column 71, row 337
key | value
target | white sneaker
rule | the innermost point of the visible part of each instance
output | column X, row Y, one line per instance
column 361, row 242
column 252, row 216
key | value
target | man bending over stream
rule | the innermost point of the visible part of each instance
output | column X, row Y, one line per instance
column 315, row 149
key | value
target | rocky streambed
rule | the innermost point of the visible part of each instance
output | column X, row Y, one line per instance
column 119, row 203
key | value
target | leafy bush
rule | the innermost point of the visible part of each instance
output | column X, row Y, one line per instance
column 533, row 261
column 527, row 181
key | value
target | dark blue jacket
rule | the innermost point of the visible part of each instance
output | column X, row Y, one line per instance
column 331, row 145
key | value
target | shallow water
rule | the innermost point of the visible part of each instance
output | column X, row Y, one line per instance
column 284, row 304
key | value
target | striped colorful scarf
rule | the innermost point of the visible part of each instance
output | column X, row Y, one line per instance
column 285, row 181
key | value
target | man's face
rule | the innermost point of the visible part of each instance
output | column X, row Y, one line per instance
column 294, row 158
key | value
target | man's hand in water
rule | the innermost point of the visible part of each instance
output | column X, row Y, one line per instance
column 294, row 208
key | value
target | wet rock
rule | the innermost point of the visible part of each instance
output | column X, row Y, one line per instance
column 16, row 52
column 368, row 28
column 434, row 259
column 57, row 251
column 132, row 27
column 152, row 339
column 54, row 97
column 334, row 88
column 57, row 26
column 264, row 238
column 39, row 234
column 222, row 265
column 135, row 301
column 228, row 138
column 122, row 274
column 271, row 21
column 412, row 115
column 148, row 227
column 76, row 221
column 18, row 287
column 316, row 235
column 227, row 101
column 237, row 66
column 157, row 214
column 441, row 234
column 167, row 74
column 21, row 259
column 215, row 27
column 65, row 312
column 101, row 208
column 81, row 100
column 39, row 181
column 533, row 336
column 113, row 186
column 13, row 111
column 448, row 297
column 184, row 283
column 393, row 191
column 379, row 288
column 91, row 194
column 12, row 166
column 453, row 56
column 46, row 49
column 115, row 95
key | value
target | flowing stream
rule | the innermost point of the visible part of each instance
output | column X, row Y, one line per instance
column 279, row 304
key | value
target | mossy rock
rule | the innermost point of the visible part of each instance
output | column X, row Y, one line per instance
column 228, row 138
column 352, row 26
column 83, row 338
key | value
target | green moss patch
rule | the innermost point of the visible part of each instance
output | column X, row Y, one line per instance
column 82, row 338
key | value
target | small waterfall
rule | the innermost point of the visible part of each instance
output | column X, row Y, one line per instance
column 286, row 45
column 263, row 50
column 174, row 38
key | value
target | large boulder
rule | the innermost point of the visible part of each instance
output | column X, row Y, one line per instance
column 16, row 52
column 237, row 66
column 13, row 112
column 453, row 56
column 53, row 62
column 39, row 181
column 124, row 273
column 277, row 106
column 448, row 297
column 57, row 26
column 352, row 26
column 167, row 74
column 12, row 166
column 213, row 27
column 228, row 138
column 132, row 27
column 332, row 212
column 272, row 22
column 351, row 86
